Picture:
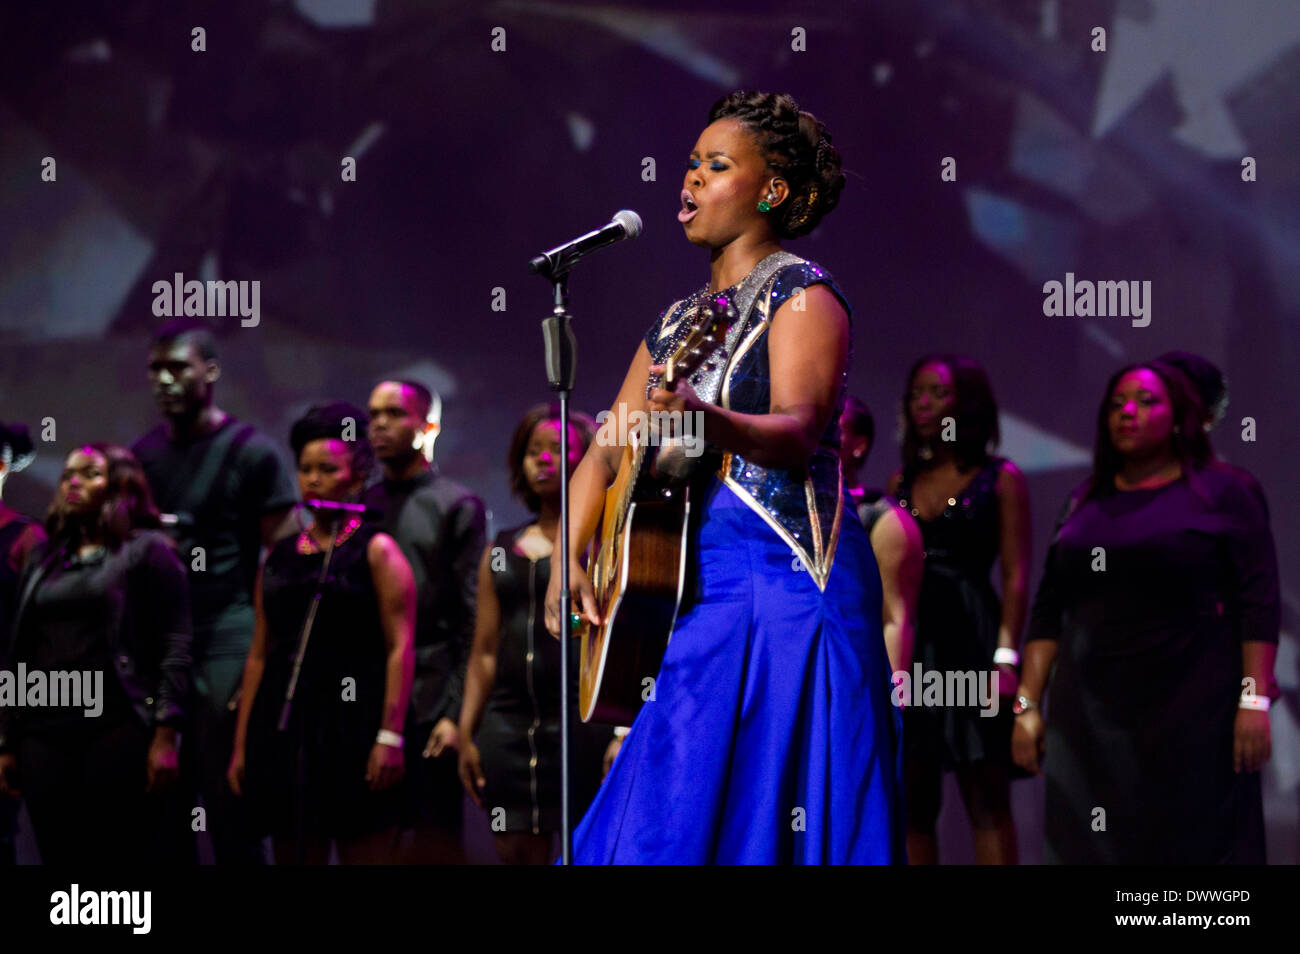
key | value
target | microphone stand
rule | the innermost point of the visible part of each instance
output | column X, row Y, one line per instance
column 561, row 358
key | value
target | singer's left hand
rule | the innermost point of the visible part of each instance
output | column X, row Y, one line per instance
column 681, row 400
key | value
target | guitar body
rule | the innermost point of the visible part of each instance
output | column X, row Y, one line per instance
column 638, row 564
column 638, row 571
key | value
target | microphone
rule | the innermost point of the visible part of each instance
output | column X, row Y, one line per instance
column 334, row 505
column 625, row 225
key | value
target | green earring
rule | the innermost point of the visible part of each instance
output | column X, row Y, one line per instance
column 764, row 206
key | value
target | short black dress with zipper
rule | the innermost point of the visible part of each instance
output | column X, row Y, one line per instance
column 957, row 620
column 519, row 738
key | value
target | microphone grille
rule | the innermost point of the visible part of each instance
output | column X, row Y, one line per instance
column 630, row 221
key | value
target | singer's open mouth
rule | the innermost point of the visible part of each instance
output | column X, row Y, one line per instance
column 689, row 208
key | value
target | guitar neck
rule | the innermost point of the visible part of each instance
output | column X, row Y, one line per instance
column 634, row 463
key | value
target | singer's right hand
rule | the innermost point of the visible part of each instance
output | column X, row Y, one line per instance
column 584, row 598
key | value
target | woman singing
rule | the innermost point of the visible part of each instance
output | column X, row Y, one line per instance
column 769, row 736
column 1159, row 607
column 332, row 774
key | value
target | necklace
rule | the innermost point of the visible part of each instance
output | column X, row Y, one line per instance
column 307, row 545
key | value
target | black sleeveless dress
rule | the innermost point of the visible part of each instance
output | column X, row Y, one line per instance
column 957, row 619
column 519, row 739
column 317, row 766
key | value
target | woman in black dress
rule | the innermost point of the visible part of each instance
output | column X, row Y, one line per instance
column 973, row 508
column 1159, row 606
column 333, row 774
column 105, row 598
column 511, row 709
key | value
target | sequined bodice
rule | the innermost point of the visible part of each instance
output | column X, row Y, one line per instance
column 804, row 508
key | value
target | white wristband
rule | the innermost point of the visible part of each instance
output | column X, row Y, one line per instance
column 1258, row 703
column 1004, row 655
column 621, row 731
column 390, row 738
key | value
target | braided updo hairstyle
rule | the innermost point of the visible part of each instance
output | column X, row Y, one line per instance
column 797, row 147
column 330, row 422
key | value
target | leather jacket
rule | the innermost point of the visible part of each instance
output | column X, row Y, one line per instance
column 149, row 627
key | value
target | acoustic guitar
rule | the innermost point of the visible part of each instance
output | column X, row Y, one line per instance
column 638, row 563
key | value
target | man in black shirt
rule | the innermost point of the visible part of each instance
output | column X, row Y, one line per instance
column 230, row 493
column 441, row 529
